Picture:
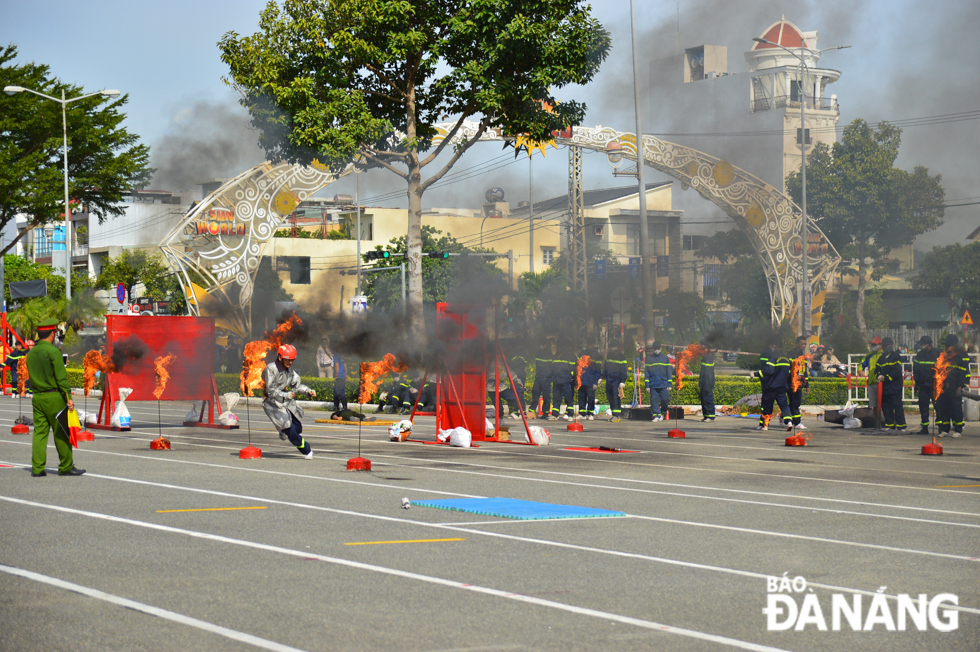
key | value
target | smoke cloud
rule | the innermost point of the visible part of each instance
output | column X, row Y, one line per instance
column 206, row 140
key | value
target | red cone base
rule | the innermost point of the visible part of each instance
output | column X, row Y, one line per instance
column 795, row 440
column 161, row 444
column 575, row 427
column 249, row 453
column 933, row 448
column 358, row 464
column 676, row 433
column 19, row 429
column 88, row 435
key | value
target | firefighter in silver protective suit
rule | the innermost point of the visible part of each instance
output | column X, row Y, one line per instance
column 281, row 386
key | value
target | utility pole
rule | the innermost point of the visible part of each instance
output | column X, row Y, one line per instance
column 645, row 276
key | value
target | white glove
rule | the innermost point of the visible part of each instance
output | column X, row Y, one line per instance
column 383, row 395
column 292, row 394
column 622, row 385
column 881, row 379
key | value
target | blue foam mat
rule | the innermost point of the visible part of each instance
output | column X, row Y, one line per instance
column 515, row 508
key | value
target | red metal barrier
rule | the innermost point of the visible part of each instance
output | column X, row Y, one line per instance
column 462, row 390
column 191, row 339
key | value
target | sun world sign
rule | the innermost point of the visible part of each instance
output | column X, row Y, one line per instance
column 221, row 221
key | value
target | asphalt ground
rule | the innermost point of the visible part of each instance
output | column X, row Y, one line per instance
column 196, row 549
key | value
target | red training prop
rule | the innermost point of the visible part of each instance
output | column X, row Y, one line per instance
column 933, row 448
column 358, row 464
column 249, row 453
column 795, row 440
column 575, row 427
column 676, row 433
column 19, row 429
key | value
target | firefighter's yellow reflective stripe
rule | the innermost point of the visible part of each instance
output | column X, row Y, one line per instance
column 618, row 361
column 654, row 364
column 707, row 364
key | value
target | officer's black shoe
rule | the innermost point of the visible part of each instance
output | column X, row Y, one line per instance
column 38, row 475
column 924, row 430
column 73, row 471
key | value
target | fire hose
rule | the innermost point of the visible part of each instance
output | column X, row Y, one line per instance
column 965, row 393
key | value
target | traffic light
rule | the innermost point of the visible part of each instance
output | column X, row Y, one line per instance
column 443, row 255
column 376, row 255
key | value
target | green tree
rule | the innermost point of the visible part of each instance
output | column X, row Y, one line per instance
column 343, row 80
column 135, row 266
column 952, row 270
column 457, row 278
column 864, row 205
column 104, row 160
column 18, row 268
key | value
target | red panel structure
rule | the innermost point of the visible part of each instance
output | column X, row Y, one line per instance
column 134, row 342
column 462, row 389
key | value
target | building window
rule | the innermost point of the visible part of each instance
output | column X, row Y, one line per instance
column 298, row 268
column 694, row 242
column 663, row 266
column 712, row 278
column 632, row 239
column 547, row 255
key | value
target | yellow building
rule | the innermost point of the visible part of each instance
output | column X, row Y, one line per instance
column 310, row 268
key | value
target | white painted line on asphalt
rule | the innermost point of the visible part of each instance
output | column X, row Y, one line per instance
column 807, row 538
column 593, row 486
column 151, row 610
column 305, row 554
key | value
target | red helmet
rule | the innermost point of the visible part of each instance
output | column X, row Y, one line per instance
column 30, row 344
column 287, row 352
column 876, row 340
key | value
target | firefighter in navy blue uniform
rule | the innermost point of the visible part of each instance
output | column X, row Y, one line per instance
column 407, row 391
column 563, row 376
column 890, row 374
column 795, row 398
column 390, row 397
column 949, row 405
column 591, row 376
column 427, row 396
column 923, row 372
column 659, row 376
column 542, row 383
column 615, row 371
column 514, row 395
column 775, row 375
column 13, row 360
column 706, row 384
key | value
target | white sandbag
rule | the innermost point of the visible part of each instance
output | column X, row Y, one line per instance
column 400, row 431
column 460, row 437
column 195, row 412
column 539, row 436
column 87, row 417
column 851, row 422
column 848, row 411
column 120, row 416
column 227, row 418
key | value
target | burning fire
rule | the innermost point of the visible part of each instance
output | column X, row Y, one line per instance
column 160, row 365
column 940, row 371
column 372, row 372
column 583, row 362
column 683, row 358
column 794, row 371
column 255, row 352
column 94, row 361
column 766, row 418
column 22, row 375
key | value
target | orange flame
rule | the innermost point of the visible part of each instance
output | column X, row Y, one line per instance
column 22, row 375
column 372, row 372
column 94, row 361
column 255, row 353
column 794, row 371
column 583, row 362
column 766, row 418
column 940, row 371
column 160, row 365
column 693, row 350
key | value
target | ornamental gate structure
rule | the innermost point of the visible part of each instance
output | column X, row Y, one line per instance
column 221, row 239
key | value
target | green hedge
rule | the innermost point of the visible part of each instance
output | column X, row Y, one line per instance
column 728, row 389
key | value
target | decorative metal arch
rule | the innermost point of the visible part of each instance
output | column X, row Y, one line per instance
column 221, row 240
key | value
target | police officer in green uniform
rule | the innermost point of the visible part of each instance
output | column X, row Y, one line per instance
column 46, row 368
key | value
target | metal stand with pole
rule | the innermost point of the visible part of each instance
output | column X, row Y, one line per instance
column 249, row 452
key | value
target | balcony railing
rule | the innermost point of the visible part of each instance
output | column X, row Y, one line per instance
column 79, row 251
column 793, row 102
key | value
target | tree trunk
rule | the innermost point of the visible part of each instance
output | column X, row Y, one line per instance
column 862, row 281
column 413, row 237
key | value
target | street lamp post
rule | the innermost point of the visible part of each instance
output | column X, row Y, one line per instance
column 646, row 281
column 805, row 319
column 12, row 90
